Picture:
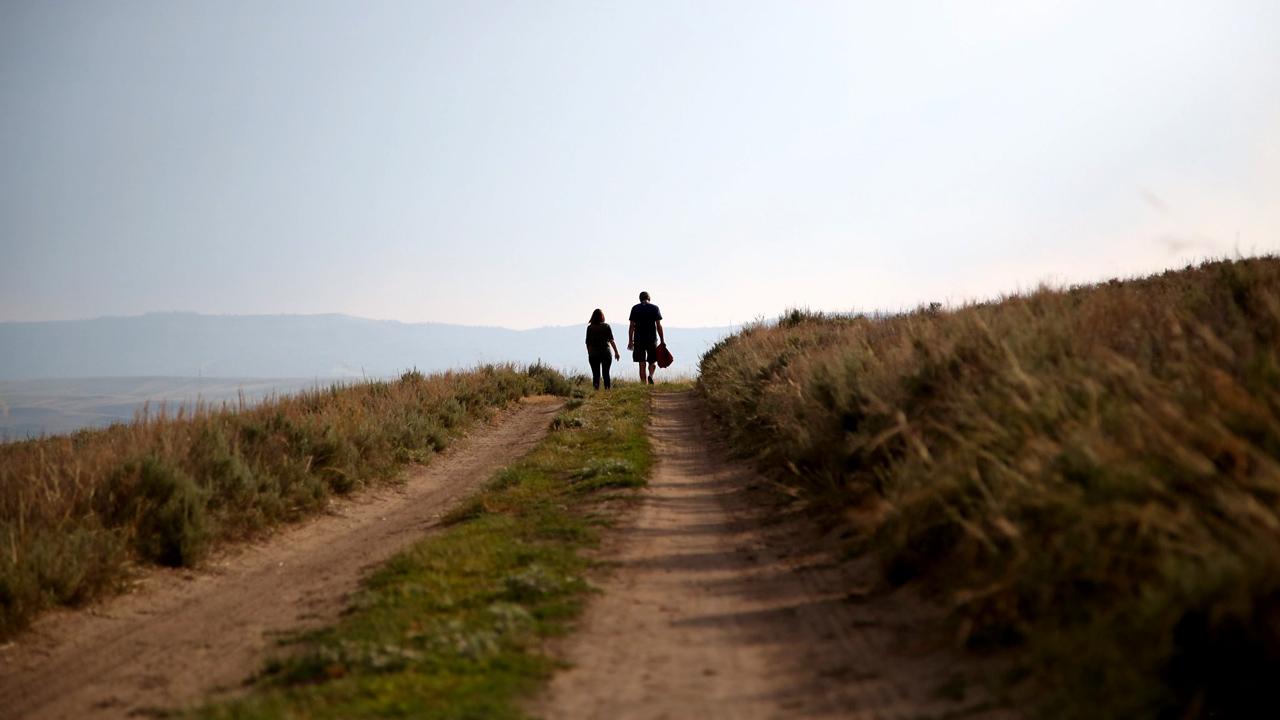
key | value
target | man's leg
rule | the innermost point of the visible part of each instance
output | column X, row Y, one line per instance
column 653, row 368
column 637, row 355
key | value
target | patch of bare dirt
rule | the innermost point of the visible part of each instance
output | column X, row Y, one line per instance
column 180, row 635
column 725, row 604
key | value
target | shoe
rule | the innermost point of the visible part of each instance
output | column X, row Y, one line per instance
column 650, row 381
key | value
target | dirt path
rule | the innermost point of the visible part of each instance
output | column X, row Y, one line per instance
column 714, row 612
column 183, row 634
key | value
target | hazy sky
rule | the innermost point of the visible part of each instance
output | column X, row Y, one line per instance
column 520, row 163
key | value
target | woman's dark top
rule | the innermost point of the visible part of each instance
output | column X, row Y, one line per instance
column 598, row 337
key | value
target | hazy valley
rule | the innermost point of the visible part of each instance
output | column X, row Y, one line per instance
column 61, row 376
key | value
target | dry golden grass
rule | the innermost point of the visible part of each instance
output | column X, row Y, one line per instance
column 74, row 510
column 1089, row 475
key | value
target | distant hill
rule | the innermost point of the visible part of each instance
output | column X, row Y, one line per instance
column 60, row 376
column 294, row 346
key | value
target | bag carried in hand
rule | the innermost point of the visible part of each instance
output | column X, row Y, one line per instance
column 664, row 356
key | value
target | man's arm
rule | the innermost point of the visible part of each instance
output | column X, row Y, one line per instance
column 661, row 338
column 631, row 336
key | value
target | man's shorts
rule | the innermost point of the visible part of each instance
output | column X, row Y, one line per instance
column 645, row 354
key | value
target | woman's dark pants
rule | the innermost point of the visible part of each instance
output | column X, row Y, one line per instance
column 600, row 366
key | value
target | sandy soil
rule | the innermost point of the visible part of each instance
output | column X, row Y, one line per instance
column 180, row 635
column 724, row 605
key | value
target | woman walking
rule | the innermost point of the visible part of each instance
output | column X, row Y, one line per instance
column 599, row 340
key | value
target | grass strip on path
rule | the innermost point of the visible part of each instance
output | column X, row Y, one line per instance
column 453, row 626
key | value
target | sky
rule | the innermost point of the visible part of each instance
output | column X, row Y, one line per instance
column 521, row 163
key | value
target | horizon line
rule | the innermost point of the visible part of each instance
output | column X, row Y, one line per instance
column 195, row 313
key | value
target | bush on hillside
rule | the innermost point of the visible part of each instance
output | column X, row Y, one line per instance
column 164, row 508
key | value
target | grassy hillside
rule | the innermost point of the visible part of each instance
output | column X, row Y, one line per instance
column 75, row 510
column 1091, row 476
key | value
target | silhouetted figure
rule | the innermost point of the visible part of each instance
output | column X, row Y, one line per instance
column 599, row 340
column 644, row 336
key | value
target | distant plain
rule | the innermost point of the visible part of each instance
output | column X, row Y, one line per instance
column 50, row 406
column 58, row 377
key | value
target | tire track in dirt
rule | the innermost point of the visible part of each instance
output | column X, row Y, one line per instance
column 723, row 604
column 183, row 634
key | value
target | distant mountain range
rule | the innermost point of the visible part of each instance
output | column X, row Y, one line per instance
column 296, row 346
column 56, row 377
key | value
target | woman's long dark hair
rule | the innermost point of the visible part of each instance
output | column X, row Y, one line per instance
column 597, row 317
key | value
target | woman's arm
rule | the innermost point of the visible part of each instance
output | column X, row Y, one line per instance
column 616, row 355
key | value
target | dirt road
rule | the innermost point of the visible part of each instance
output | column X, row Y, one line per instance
column 183, row 634
column 714, row 611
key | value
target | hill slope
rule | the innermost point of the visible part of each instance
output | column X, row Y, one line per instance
column 1089, row 475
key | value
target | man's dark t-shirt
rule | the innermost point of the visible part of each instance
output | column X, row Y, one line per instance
column 646, row 317
column 598, row 337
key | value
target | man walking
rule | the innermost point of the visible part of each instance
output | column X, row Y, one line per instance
column 644, row 336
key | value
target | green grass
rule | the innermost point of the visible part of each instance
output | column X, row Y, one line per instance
column 453, row 626
column 76, row 511
column 1089, row 477
column 675, row 386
